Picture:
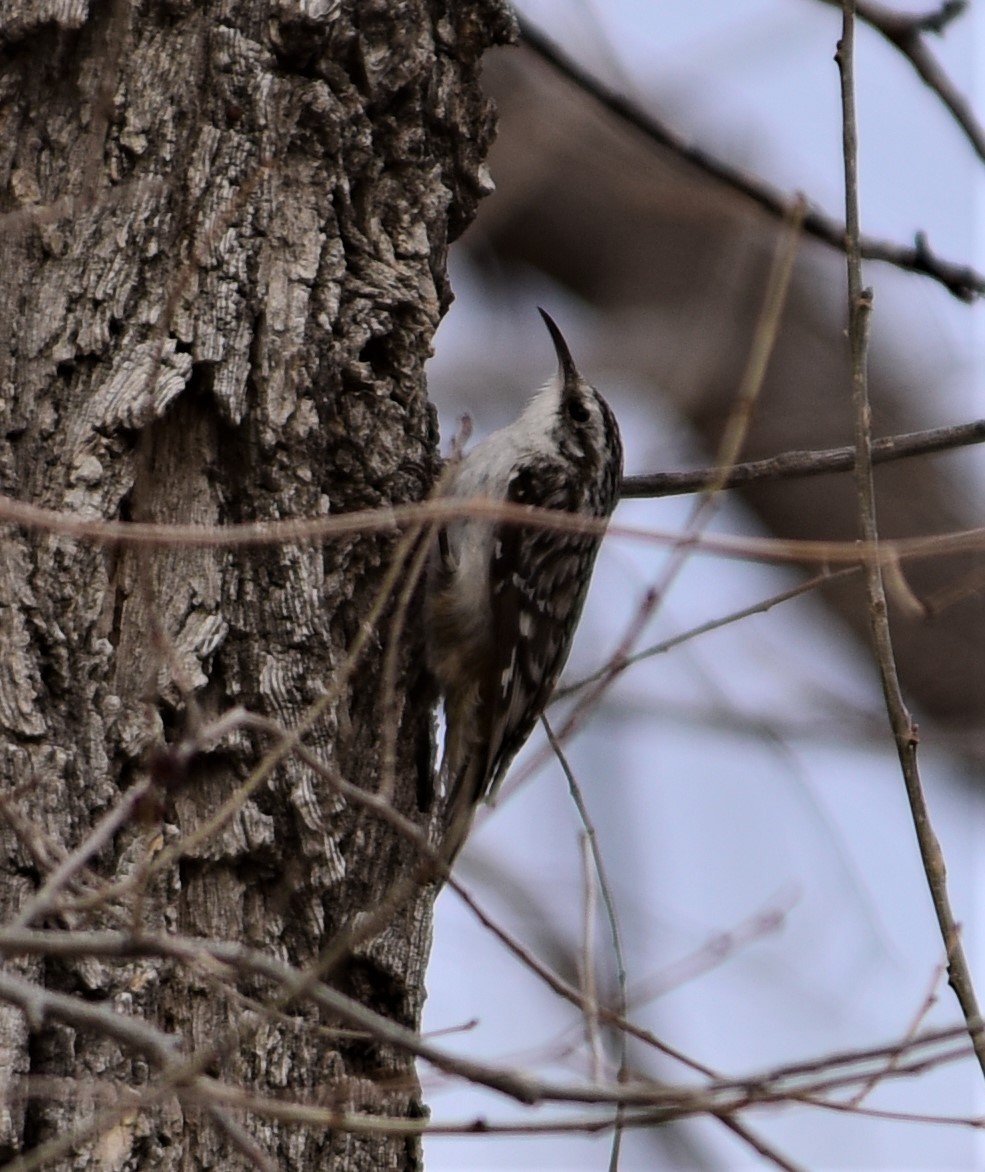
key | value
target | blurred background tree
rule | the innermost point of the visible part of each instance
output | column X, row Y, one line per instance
column 746, row 778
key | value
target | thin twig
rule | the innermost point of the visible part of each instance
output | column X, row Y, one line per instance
column 735, row 616
column 589, row 982
column 764, row 339
column 757, row 1143
column 919, row 1017
column 569, row 992
column 795, row 465
column 903, row 727
column 110, row 533
column 608, row 899
column 715, row 951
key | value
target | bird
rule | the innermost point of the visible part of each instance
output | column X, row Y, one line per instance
column 502, row 598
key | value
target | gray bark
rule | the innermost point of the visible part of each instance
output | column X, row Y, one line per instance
column 224, row 231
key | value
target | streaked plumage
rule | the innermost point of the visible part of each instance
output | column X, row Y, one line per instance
column 503, row 600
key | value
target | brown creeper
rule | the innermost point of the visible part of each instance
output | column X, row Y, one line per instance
column 503, row 600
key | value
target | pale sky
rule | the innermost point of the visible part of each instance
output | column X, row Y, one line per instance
column 704, row 822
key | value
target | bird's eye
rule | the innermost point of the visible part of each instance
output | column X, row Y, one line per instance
column 577, row 411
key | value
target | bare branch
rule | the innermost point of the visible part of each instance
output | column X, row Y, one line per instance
column 799, row 1082
column 961, row 280
column 908, row 34
column 796, row 465
column 902, row 724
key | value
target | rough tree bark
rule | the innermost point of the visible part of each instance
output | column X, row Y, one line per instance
column 224, row 230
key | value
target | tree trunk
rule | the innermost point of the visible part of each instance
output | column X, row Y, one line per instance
column 224, row 232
